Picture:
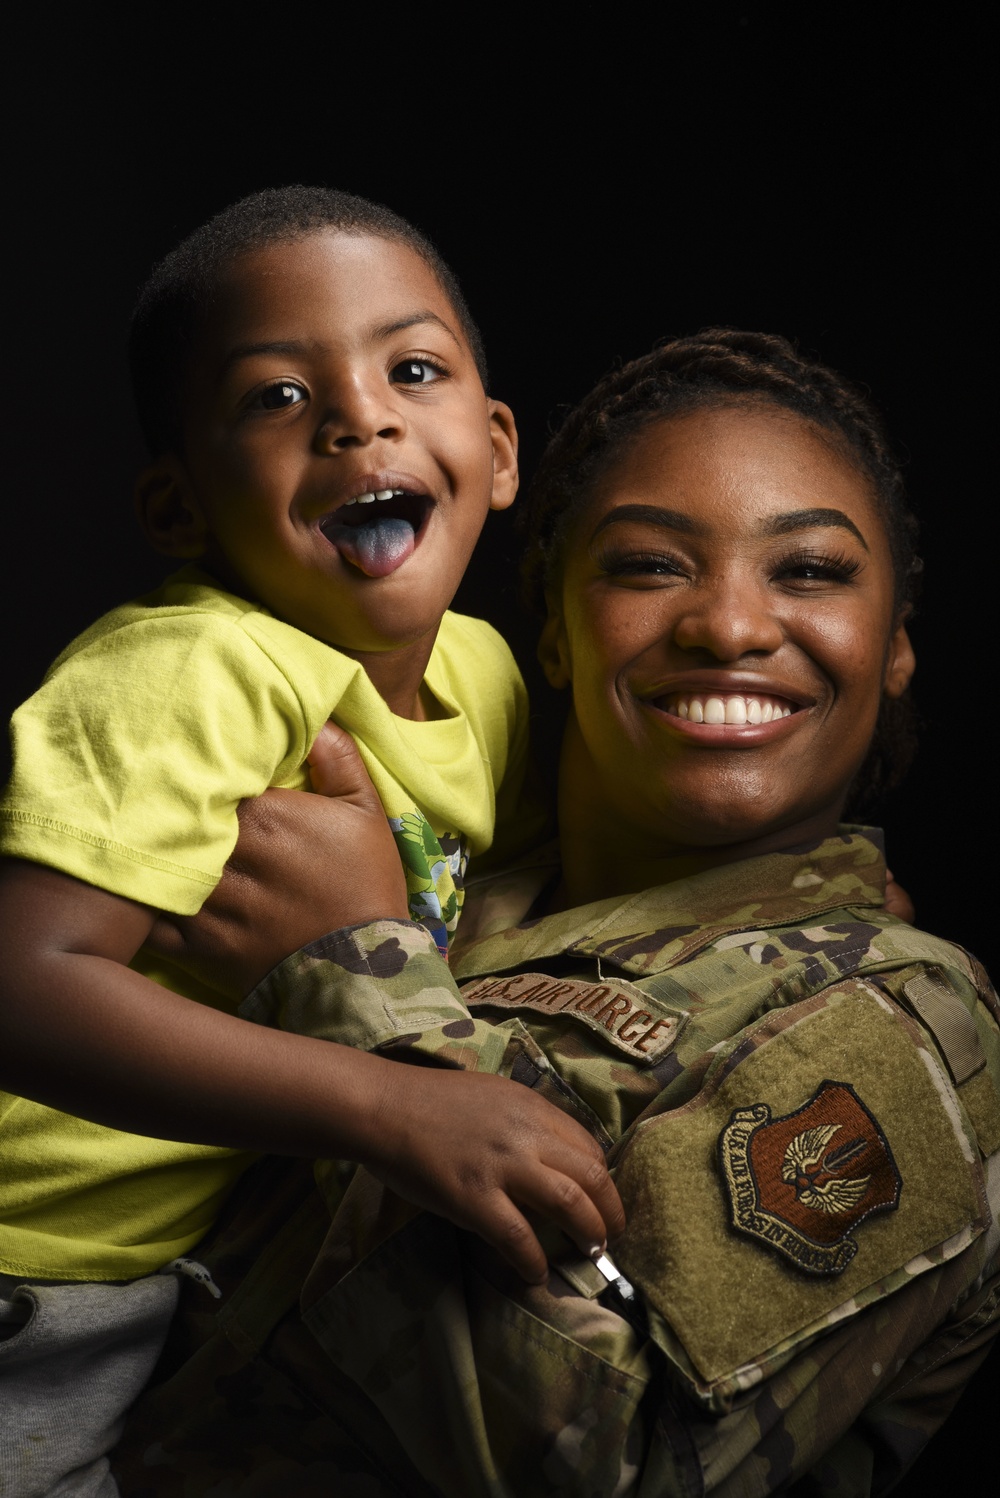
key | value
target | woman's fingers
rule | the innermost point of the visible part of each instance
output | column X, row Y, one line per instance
column 303, row 865
column 337, row 769
column 897, row 901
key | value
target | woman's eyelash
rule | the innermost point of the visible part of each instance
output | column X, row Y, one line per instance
column 800, row 566
column 634, row 563
column 836, row 567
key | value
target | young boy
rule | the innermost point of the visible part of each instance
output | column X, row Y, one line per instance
column 312, row 389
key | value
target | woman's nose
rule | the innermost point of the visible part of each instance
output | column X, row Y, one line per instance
column 360, row 411
column 728, row 621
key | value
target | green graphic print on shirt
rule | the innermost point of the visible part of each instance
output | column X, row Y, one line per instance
column 435, row 874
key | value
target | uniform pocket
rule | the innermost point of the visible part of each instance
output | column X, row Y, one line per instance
column 492, row 1387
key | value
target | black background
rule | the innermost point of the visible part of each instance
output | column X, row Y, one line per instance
column 599, row 176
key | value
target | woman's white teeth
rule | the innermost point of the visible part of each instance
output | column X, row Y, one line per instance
column 735, row 710
column 373, row 494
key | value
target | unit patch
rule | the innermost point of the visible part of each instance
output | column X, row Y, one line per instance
column 801, row 1184
column 617, row 1011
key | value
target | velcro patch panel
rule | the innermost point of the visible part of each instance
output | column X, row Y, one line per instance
column 621, row 1014
column 825, row 1164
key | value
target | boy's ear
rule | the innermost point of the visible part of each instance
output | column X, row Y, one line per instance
column 553, row 648
column 504, row 434
column 900, row 663
column 168, row 512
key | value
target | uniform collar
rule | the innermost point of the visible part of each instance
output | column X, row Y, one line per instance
column 659, row 928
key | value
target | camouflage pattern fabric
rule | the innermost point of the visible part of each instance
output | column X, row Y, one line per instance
column 244, row 1404
column 799, row 1097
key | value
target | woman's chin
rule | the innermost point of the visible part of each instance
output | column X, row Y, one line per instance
column 748, row 826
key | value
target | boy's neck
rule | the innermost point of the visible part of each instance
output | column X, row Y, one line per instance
column 398, row 677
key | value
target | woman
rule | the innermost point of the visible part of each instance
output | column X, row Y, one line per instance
column 799, row 1093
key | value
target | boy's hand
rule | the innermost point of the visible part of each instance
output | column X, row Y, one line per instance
column 482, row 1151
column 304, row 865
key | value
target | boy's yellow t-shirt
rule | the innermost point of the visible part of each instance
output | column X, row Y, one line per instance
column 129, row 764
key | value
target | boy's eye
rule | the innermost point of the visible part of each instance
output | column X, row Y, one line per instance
column 278, row 397
column 415, row 372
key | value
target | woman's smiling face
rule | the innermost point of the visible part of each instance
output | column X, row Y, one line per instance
column 725, row 615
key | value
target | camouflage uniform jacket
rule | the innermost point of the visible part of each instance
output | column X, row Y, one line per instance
column 798, row 1095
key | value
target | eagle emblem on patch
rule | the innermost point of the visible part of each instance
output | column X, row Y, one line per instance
column 802, row 1183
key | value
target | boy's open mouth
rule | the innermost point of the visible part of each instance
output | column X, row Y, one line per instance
column 377, row 531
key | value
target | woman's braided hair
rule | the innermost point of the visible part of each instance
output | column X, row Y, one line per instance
column 721, row 367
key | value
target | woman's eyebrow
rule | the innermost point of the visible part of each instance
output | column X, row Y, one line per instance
column 779, row 525
column 669, row 520
column 801, row 520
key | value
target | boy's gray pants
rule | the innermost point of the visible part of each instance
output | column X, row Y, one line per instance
column 73, row 1358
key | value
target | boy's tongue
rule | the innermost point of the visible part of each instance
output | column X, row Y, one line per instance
column 376, row 548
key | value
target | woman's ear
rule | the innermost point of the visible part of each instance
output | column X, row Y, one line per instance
column 504, row 435
column 168, row 512
column 553, row 648
column 900, row 663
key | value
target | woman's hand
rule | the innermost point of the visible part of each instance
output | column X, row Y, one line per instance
column 304, row 865
column 897, row 901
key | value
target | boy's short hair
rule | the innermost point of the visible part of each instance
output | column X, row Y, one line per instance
column 180, row 288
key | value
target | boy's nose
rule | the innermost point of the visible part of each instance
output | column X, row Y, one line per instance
column 358, row 415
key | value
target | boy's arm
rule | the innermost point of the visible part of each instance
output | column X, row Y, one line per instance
column 79, row 1031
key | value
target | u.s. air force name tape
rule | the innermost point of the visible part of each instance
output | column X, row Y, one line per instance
column 621, row 1014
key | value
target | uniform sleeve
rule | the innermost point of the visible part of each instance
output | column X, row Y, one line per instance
column 131, row 759
column 385, row 987
column 373, row 987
